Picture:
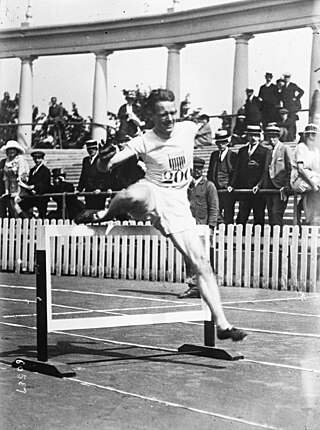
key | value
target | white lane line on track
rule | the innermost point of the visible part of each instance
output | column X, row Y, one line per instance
column 301, row 297
column 172, row 404
column 272, row 312
column 155, row 348
column 285, row 366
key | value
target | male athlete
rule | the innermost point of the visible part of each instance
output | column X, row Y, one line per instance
column 161, row 196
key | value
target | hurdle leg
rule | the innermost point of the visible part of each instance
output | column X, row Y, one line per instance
column 209, row 349
column 42, row 365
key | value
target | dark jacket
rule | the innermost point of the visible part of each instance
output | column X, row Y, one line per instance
column 288, row 94
column 252, row 111
column 231, row 159
column 204, row 202
column 90, row 178
column 249, row 169
column 73, row 205
column 40, row 179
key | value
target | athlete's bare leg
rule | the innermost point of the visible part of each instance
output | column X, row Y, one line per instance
column 191, row 247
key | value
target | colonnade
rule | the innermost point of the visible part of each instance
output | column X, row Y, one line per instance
column 100, row 83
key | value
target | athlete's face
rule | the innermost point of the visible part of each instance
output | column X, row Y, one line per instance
column 164, row 119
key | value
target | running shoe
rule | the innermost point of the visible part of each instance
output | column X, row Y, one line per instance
column 231, row 333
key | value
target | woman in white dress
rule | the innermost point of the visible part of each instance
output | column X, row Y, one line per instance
column 306, row 173
column 15, row 176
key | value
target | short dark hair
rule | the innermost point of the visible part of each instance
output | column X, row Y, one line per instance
column 204, row 116
column 159, row 95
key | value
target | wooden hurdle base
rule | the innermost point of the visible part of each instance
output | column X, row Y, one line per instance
column 211, row 352
column 51, row 368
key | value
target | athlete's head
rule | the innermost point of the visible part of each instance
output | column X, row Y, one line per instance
column 162, row 108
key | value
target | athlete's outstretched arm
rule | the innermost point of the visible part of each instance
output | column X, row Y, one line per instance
column 112, row 159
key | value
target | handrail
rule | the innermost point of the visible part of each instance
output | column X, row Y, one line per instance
column 110, row 193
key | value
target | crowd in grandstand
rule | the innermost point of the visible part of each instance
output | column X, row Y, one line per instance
column 262, row 126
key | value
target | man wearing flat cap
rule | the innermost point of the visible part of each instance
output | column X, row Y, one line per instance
column 248, row 175
column 221, row 167
column 38, row 183
column 204, row 205
column 91, row 179
column 277, row 175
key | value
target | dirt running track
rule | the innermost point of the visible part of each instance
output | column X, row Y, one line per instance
column 133, row 378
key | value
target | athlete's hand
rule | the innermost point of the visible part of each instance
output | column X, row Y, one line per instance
column 105, row 156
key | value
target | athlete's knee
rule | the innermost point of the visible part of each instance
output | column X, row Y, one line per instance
column 136, row 196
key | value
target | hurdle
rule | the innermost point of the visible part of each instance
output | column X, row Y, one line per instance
column 46, row 324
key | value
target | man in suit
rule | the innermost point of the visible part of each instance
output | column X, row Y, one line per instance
column 130, row 124
column 252, row 108
column 277, row 175
column 248, row 175
column 268, row 94
column 204, row 134
column 221, row 167
column 38, row 183
column 60, row 185
column 290, row 96
column 91, row 179
column 287, row 126
column 204, row 205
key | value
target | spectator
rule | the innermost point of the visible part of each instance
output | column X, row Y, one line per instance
column 204, row 204
column 185, row 107
column 252, row 108
column 305, row 176
column 268, row 94
column 221, row 168
column 226, row 121
column 38, row 183
column 238, row 135
column 3, row 197
column 91, row 179
column 277, row 175
column 15, row 175
column 204, row 135
column 248, row 175
column 314, row 111
column 287, row 126
column 55, row 122
column 130, row 124
column 60, row 185
column 290, row 96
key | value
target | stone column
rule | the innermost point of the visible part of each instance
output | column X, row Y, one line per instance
column 100, row 97
column 24, row 133
column 240, row 71
column 173, row 71
column 315, row 62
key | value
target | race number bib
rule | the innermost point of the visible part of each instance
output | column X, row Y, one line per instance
column 176, row 176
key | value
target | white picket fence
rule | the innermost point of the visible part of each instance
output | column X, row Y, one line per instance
column 287, row 260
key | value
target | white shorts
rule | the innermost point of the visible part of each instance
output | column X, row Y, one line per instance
column 168, row 209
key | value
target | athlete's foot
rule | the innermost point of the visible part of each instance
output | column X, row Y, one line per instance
column 235, row 334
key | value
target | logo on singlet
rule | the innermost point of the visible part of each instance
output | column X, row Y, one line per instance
column 179, row 172
column 177, row 162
